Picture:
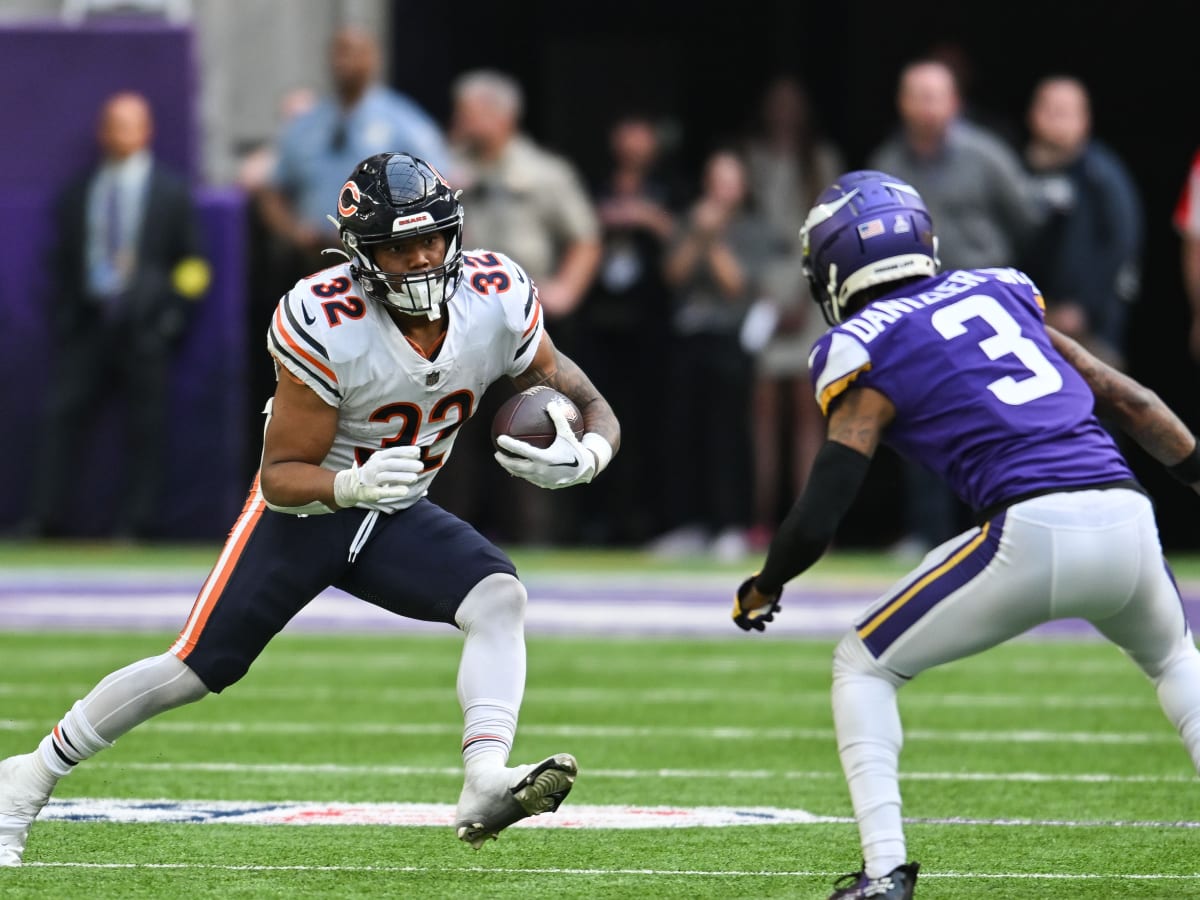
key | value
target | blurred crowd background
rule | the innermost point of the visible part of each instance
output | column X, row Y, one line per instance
column 169, row 166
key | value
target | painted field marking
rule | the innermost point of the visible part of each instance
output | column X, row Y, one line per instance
column 442, row 653
column 244, row 812
column 651, row 873
column 649, row 774
column 623, row 660
column 623, row 696
column 619, row 732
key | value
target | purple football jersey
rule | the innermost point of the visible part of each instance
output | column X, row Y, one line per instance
column 981, row 396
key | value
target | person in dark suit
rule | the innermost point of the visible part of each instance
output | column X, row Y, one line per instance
column 129, row 272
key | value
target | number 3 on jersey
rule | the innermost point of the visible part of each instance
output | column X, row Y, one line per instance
column 1007, row 341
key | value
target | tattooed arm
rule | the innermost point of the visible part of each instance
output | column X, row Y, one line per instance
column 569, row 460
column 856, row 428
column 557, row 370
column 1138, row 411
column 859, row 420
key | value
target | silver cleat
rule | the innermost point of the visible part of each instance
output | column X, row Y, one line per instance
column 537, row 788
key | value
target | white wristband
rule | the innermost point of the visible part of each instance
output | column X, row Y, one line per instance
column 600, row 447
column 345, row 487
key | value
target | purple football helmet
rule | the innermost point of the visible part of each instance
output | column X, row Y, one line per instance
column 867, row 228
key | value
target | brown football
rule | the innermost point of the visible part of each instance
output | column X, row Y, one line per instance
column 523, row 416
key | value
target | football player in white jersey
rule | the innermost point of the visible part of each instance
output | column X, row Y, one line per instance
column 380, row 360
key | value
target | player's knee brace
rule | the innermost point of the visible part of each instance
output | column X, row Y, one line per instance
column 498, row 599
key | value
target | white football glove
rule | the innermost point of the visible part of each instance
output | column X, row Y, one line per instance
column 387, row 475
column 567, row 461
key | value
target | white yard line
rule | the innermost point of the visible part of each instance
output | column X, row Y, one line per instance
column 620, row 732
column 369, row 771
column 613, row 695
column 653, row 873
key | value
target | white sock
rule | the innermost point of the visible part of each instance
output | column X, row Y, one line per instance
column 71, row 741
column 867, row 721
column 491, row 675
column 1178, row 687
column 488, row 729
column 121, row 701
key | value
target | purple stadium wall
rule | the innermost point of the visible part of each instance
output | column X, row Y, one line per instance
column 53, row 79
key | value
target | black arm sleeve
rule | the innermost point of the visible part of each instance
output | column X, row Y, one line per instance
column 837, row 474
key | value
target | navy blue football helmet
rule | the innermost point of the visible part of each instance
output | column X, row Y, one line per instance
column 867, row 228
column 391, row 196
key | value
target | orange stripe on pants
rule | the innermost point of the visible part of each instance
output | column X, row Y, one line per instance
column 214, row 585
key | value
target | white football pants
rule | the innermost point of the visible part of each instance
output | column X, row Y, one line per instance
column 1093, row 555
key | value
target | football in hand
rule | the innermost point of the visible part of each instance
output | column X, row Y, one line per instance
column 524, row 418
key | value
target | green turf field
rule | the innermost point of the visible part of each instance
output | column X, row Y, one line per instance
column 1041, row 731
column 69, row 555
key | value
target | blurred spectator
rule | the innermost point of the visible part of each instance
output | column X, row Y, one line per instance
column 274, row 271
column 789, row 162
column 955, row 55
column 983, row 204
column 129, row 272
column 525, row 201
column 257, row 167
column 1087, row 258
column 626, row 316
column 714, row 266
column 984, row 207
column 530, row 204
column 318, row 148
column 1187, row 222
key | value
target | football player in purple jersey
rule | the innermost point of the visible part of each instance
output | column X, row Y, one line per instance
column 957, row 371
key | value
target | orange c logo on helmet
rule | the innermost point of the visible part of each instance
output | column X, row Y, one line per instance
column 349, row 209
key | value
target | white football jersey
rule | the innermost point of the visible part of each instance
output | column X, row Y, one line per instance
column 387, row 393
